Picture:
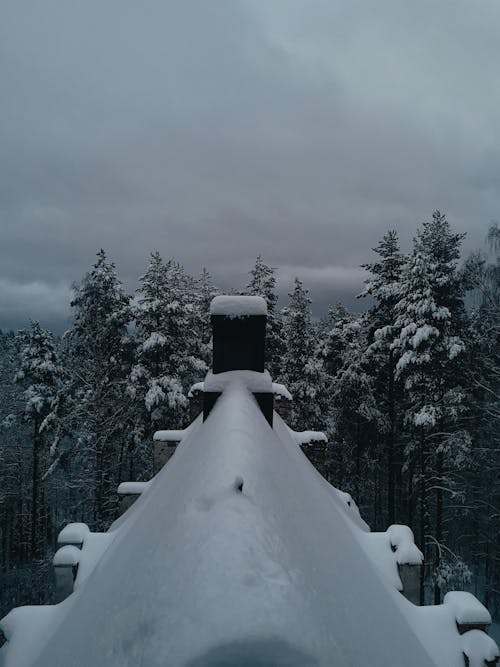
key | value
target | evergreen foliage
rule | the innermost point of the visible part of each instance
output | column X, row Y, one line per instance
column 407, row 393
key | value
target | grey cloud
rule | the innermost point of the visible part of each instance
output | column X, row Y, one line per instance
column 19, row 302
column 299, row 129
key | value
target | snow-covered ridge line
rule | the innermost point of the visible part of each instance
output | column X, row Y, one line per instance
column 238, row 306
column 277, row 389
column 253, row 381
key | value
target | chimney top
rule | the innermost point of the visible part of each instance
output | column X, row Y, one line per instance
column 238, row 306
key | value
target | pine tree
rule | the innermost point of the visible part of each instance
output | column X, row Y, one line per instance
column 41, row 374
column 263, row 283
column 484, row 380
column 98, row 364
column 170, row 350
column 354, row 415
column 383, row 286
column 303, row 370
column 430, row 322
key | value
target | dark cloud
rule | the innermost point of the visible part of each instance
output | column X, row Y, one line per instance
column 299, row 129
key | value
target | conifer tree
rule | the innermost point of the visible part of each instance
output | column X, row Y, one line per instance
column 263, row 283
column 430, row 323
column 383, row 286
column 40, row 374
column 355, row 417
column 303, row 370
column 170, row 353
column 98, row 347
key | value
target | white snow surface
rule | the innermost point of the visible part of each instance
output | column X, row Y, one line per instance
column 238, row 306
column 239, row 553
column 169, row 436
column 251, row 380
column 67, row 555
column 478, row 647
column 198, row 386
column 278, row 389
column 407, row 552
column 467, row 608
column 306, row 437
column 132, row 488
column 281, row 391
column 73, row 533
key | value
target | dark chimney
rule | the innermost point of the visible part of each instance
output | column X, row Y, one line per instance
column 238, row 340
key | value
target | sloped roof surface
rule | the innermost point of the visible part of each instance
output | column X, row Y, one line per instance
column 239, row 553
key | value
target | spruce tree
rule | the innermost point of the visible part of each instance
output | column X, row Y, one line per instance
column 263, row 283
column 41, row 374
column 381, row 358
column 303, row 371
column 98, row 348
column 430, row 324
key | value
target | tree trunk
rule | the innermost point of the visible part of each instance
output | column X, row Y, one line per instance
column 35, row 491
column 439, row 520
column 423, row 508
column 391, row 445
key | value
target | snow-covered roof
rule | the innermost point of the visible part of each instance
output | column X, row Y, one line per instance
column 238, row 552
column 238, row 306
column 252, row 380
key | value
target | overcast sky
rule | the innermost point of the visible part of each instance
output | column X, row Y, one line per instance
column 215, row 130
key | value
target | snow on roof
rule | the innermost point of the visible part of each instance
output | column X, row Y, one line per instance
column 253, row 381
column 238, row 306
column 132, row 488
column 306, row 437
column 196, row 387
column 277, row 389
column 406, row 551
column 479, row 648
column 67, row 555
column 73, row 533
column 467, row 608
column 238, row 553
column 282, row 391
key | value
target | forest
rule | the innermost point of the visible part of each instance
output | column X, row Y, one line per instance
column 406, row 389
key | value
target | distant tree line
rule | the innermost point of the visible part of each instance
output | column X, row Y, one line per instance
column 407, row 391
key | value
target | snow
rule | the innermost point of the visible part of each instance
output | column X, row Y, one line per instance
column 154, row 340
column 67, row 555
column 253, row 381
column 390, row 549
column 407, row 552
column 73, row 533
column 169, row 435
column 198, row 386
column 307, row 437
column 132, row 488
column 238, row 552
column 467, row 608
column 479, row 648
column 281, row 391
column 26, row 630
column 238, row 306
column 422, row 334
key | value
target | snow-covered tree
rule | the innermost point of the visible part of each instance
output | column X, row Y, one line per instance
column 302, row 369
column 484, row 424
column 41, row 374
column 354, row 414
column 170, row 353
column 98, row 363
column 263, row 283
column 430, row 325
column 383, row 285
